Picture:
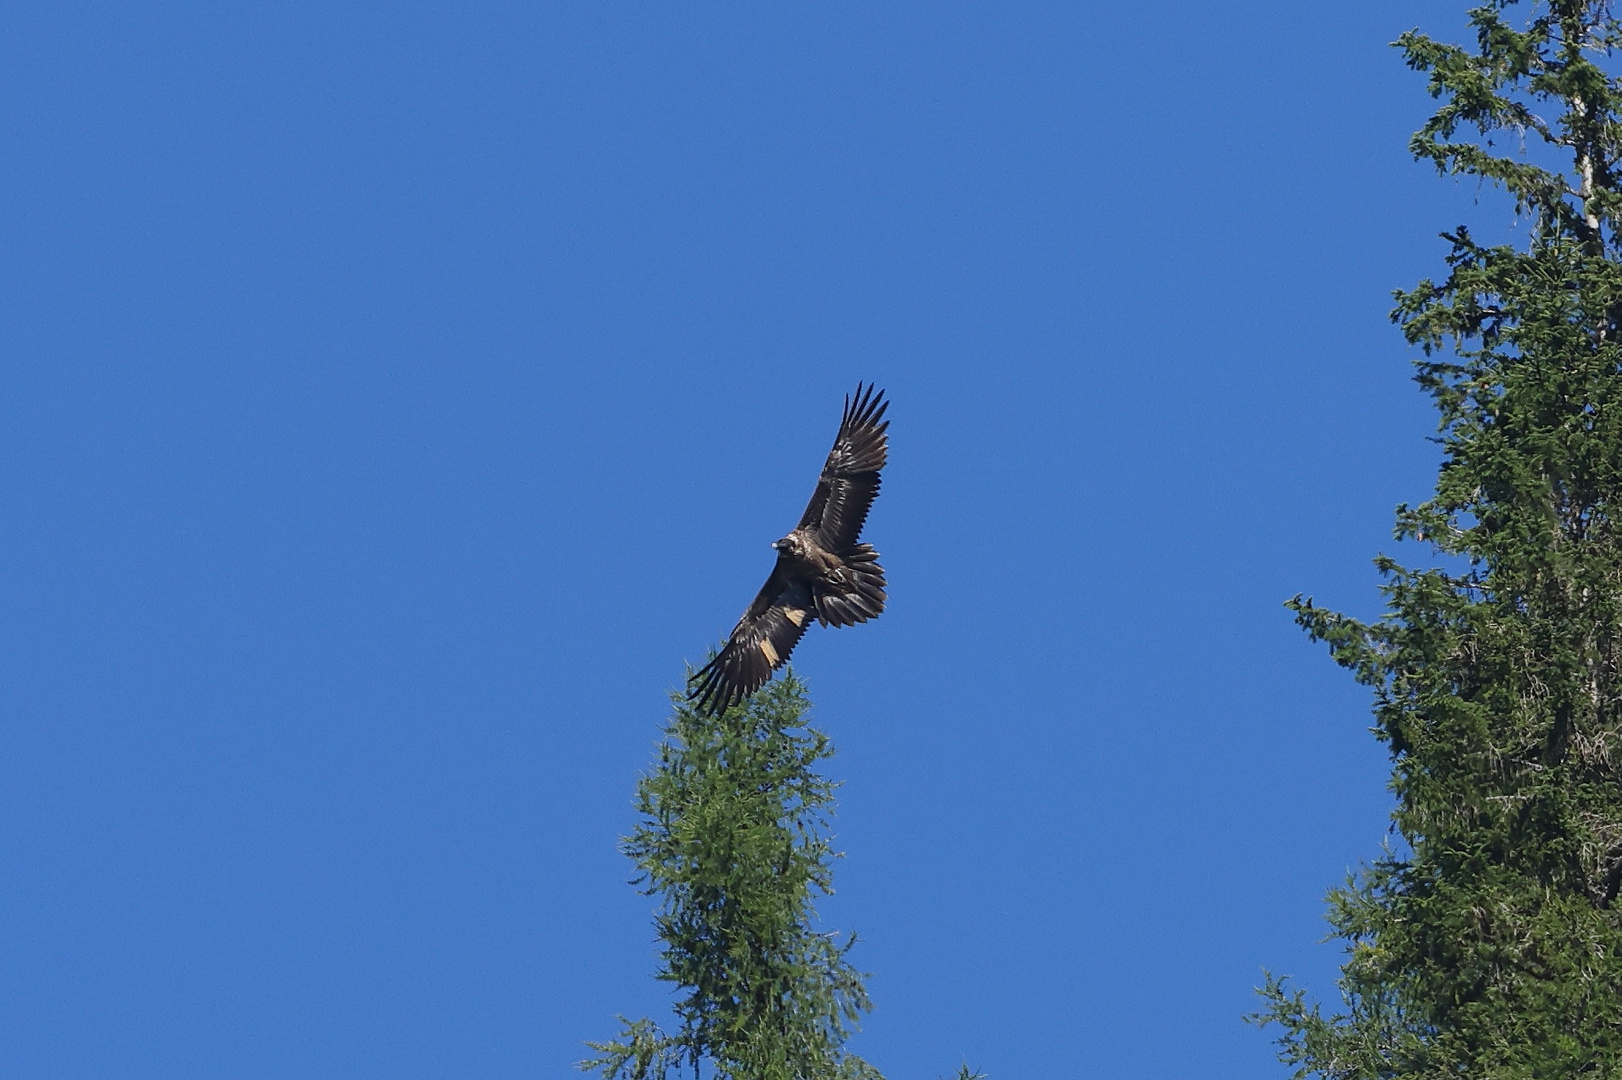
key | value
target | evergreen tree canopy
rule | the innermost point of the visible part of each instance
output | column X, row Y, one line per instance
column 1488, row 942
column 733, row 840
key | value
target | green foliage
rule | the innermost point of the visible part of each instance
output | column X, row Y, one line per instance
column 1490, row 944
column 734, row 842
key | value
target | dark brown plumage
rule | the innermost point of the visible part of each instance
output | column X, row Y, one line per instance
column 822, row 570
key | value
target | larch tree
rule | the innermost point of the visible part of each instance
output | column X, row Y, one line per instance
column 1487, row 941
column 733, row 840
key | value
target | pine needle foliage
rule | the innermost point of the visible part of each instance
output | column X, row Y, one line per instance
column 1488, row 943
column 734, row 841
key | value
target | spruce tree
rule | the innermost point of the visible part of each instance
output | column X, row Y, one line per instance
column 733, row 840
column 1487, row 942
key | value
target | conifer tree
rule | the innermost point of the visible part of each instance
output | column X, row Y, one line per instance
column 1487, row 942
column 733, row 840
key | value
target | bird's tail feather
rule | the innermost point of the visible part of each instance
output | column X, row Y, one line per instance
column 862, row 595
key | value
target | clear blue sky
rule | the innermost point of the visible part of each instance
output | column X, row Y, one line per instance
column 395, row 395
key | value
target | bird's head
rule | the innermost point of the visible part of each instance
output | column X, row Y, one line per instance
column 789, row 545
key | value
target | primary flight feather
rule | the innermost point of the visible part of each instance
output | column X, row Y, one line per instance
column 823, row 571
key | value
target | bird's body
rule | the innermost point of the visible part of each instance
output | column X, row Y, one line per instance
column 822, row 570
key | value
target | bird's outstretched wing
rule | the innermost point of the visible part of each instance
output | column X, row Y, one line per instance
column 850, row 479
column 759, row 644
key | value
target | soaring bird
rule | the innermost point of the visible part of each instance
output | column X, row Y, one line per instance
column 821, row 570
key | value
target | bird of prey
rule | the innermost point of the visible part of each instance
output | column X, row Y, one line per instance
column 822, row 571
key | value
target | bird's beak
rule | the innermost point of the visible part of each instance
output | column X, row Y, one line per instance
column 777, row 545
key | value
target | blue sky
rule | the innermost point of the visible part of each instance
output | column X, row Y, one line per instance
column 396, row 395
